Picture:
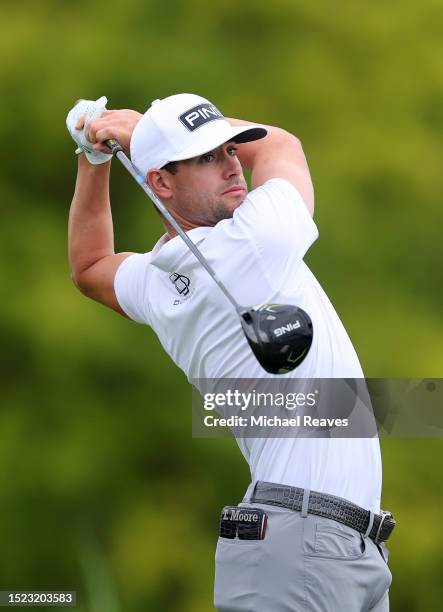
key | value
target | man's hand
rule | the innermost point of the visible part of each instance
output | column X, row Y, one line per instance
column 118, row 124
column 77, row 122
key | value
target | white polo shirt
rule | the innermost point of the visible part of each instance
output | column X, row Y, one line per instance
column 258, row 255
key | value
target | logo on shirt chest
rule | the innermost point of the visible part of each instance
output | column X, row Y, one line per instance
column 183, row 287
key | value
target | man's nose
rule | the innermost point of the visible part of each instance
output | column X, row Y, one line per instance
column 231, row 166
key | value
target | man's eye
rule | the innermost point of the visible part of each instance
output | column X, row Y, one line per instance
column 207, row 157
column 232, row 151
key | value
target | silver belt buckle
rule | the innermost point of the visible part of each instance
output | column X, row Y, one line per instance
column 384, row 515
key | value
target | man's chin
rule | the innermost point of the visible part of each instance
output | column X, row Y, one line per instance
column 226, row 211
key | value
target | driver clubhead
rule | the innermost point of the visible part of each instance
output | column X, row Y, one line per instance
column 280, row 336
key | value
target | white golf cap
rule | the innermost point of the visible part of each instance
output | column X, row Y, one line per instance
column 183, row 126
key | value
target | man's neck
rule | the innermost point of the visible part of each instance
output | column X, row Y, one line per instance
column 185, row 226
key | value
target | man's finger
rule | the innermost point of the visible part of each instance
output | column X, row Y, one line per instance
column 105, row 133
column 99, row 146
column 90, row 135
column 112, row 111
column 80, row 123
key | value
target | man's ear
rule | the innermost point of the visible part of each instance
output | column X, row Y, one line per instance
column 161, row 182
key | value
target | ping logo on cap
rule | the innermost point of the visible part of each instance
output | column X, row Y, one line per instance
column 198, row 115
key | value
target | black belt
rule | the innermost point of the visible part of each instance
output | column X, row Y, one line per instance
column 328, row 506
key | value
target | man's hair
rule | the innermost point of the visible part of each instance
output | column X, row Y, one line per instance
column 171, row 167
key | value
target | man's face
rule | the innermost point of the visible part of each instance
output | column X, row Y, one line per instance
column 210, row 187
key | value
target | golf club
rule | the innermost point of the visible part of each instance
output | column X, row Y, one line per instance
column 279, row 335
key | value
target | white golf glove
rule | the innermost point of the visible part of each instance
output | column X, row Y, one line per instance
column 91, row 110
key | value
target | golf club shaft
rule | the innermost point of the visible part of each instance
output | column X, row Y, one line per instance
column 118, row 152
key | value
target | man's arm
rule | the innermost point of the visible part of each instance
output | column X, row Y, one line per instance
column 278, row 155
column 91, row 237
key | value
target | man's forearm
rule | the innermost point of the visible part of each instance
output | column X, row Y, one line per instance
column 91, row 235
column 278, row 154
column 248, row 151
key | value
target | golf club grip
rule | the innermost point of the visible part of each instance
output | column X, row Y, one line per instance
column 113, row 145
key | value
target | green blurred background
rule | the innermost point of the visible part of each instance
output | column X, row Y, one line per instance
column 102, row 488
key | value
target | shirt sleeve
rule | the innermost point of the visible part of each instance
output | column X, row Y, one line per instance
column 131, row 286
column 275, row 218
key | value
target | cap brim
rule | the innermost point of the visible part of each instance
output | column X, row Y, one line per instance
column 224, row 132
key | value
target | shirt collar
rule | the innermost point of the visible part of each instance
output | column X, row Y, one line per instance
column 169, row 252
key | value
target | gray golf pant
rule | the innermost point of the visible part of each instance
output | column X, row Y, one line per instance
column 304, row 564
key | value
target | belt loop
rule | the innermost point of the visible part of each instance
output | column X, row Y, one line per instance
column 371, row 522
column 250, row 492
column 305, row 503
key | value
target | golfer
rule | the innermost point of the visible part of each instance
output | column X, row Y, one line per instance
column 309, row 534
